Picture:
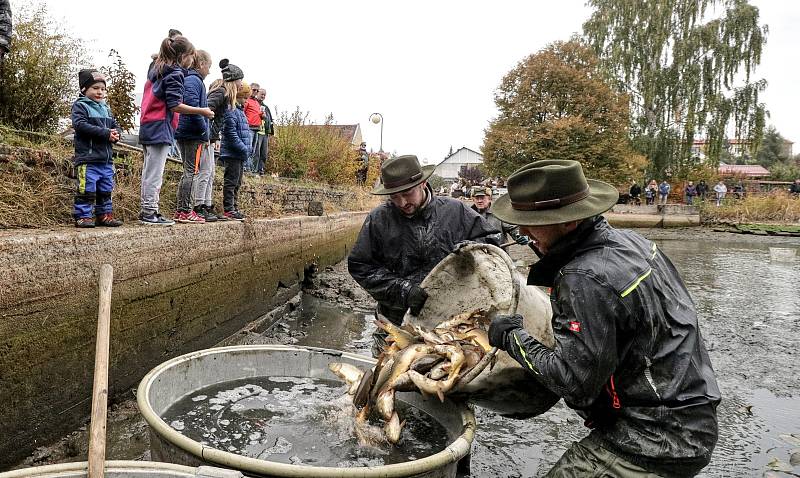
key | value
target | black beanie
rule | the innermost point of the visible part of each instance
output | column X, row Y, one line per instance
column 88, row 77
column 230, row 72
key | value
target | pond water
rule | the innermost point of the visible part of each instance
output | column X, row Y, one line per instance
column 296, row 420
column 749, row 311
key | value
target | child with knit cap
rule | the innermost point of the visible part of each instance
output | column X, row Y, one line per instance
column 95, row 132
column 234, row 152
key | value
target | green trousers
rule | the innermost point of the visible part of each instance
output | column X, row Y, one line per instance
column 587, row 459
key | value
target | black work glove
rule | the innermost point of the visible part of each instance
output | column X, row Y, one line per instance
column 416, row 299
column 460, row 245
column 501, row 325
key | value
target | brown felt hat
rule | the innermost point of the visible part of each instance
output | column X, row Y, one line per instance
column 552, row 192
column 401, row 173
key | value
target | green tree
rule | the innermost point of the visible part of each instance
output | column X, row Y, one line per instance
column 555, row 105
column 39, row 77
column 772, row 149
column 686, row 65
column 121, row 91
column 472, row 174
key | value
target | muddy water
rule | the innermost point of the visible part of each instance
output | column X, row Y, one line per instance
column 296, row 420
column 749, row 309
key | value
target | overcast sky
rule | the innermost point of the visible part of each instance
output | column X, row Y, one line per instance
column 429, row 67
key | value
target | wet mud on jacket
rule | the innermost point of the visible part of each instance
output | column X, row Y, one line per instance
column 394, row 252
column 629, row 355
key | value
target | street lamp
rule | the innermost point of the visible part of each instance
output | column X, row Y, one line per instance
column 378, row 118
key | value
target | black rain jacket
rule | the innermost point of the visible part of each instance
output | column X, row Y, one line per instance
column 628, row 355
column 505, row 229
column 394, row 252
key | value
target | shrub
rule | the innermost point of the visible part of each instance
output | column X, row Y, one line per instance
column 314, row 152
column 777, row 206
column 121, row 94
column 39, row 76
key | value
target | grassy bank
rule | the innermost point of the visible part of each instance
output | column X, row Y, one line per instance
column 37, row 190
column 775, row 208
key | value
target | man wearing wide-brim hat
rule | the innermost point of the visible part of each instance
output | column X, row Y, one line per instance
column 628, row 355
column 405, row 237
column 481, row 202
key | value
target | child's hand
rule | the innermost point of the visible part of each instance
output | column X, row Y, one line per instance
column 207, row 113
column 113, row 136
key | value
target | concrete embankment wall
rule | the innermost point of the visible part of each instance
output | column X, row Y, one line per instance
column 175, row 290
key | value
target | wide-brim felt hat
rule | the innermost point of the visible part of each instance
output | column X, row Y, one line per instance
column 552, row 192
column 401, row 173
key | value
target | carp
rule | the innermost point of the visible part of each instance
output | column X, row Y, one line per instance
column 349, row 373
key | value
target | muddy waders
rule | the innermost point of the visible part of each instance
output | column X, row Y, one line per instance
column 587, row 459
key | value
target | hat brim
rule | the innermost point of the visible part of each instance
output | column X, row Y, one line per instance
column 602, row 197
column 427, row 171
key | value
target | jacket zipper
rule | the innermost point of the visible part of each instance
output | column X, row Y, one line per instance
column 649, row 376
column 612, row 392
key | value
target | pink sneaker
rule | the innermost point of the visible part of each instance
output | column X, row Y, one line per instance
column 182, row 217
column 195, row 218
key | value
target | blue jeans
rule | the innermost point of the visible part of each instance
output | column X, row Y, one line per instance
column 95, row 183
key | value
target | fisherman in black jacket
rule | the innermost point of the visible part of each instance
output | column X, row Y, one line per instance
column 405, row 237
column 628, row 356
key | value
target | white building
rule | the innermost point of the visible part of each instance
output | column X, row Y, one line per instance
column 449, row 168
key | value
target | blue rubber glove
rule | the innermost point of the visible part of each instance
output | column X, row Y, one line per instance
column 500, row 327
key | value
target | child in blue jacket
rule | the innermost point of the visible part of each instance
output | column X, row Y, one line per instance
column 234, row 151
column 95, row 131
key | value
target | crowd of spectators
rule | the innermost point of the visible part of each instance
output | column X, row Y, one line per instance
column 229, row 123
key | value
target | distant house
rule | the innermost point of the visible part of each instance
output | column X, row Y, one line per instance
column 348, row 132
column 737, row 148
column 748, row 171
column 449, row 168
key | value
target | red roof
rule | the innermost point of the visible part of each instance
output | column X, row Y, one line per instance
column 751, row 171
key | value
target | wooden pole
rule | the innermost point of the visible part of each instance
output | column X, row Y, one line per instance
column 97, row 433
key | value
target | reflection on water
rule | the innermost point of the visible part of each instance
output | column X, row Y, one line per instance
column 748, row 308
column 334, row 327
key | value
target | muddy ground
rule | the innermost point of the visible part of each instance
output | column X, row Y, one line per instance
column 755, row 360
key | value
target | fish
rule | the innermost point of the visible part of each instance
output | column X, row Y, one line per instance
column 425, row 362
column 457, row 320
column 349, row 373
column 404, row 359
column 398, row 335
column 440, row 371
column 479, row 337
column 456, row 356
column 393, row 428
column 381, row 374
column 384, row 404
column 472, row 355
column 427, row 336
column 430, row 386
